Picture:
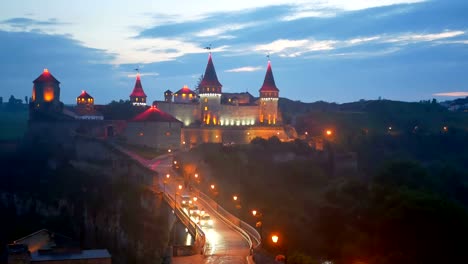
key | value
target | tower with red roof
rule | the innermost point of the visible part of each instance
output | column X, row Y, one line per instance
column 269, row 95
column 46, row 94
column 138, row 96
column 210, row 95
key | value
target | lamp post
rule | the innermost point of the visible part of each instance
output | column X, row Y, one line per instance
column 165, row 181
column 276, row 242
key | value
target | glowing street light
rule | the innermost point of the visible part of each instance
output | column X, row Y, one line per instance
column 274, row 238
column 212, row 186
column 168, row 176
column 195, row 199
column 169, row 150
column 254, row 212
column 180, row 187
column 175, row 161
column 234, row 197
column 329, row 132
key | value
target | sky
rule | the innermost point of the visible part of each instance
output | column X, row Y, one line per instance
column 330, row 50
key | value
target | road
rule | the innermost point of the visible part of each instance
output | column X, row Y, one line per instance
column 223, row 243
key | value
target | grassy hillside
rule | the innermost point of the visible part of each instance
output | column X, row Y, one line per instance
column 13, row 123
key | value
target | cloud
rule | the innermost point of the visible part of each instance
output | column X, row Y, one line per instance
column 213, row 32
column 245, row 69
column 133, row 75
column 412, row 38
column 452, row 94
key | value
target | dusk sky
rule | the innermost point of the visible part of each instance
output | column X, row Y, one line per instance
column 331, row 50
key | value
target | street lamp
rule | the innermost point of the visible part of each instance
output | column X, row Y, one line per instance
column 212, row 186
column 254, row 212
column 274, row 238
column 180, row 187
column 195, row 199
column 234, row 197
column 329, row 132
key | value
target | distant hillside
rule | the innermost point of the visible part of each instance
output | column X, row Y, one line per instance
column 374, row 116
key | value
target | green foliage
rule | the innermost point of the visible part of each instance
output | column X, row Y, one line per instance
column 13, row 122
column 121, row 110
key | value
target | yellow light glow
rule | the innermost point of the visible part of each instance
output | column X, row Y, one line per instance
column 329, row 132
column 235, row 197
column 168, row 176
column 48, row 94
column 195, row 199
column 180, row 187
column 254, row 212
column 212, row 186
column 274, row 238
column 196, row 175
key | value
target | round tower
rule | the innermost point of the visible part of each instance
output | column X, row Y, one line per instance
column 138, row 96
column 46, row 94
column 210, row 95
column 269, row 94
column 168, row 96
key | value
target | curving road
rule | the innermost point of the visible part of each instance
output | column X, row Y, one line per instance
column 223, row 243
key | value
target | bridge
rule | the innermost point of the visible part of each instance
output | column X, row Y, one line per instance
column 230, row 240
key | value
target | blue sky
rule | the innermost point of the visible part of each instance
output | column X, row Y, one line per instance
column 331, row 50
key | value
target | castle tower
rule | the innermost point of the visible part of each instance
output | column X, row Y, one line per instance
column 138, row 96
column 269, row 94
column 210, row 95
column 168, row 96
column 45, row 94
column 85, row 100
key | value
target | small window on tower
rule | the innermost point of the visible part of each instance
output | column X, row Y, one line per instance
column 206, row 108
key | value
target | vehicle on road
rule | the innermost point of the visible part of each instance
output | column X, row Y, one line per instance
column 194, row 210
column 206, row 221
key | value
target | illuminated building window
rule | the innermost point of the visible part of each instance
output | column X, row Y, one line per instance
column 136, row 99
column 206, row 108
column 34, row 93
column 205, row 100
column 48, row 93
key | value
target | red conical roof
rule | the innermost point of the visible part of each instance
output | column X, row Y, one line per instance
column 153, row 114
column 46, row 76
column 269, row 82
column 85, row 95
column 138, row 89
column 210, row 79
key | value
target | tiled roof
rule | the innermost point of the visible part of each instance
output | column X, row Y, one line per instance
column 153, row 114
column 185, row 90
column 138, row 89
column 85, row 95
column 210, row 79
column 46, row 76
column 269, row 82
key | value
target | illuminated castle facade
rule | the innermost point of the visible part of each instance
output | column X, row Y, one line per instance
column 184, row 118
column 211, row 116
column 213, row 108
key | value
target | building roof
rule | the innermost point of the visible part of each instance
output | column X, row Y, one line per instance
column 84, row 254
column 138, row 89
column 269, row 82
column 85, row 111
column 46, row 76
column 168, row 92
column 185, row 90
column 210, row 79
column 85, row 95
column 153, row 114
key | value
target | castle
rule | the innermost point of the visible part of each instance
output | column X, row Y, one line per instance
column 184, row 118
